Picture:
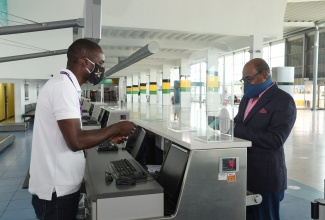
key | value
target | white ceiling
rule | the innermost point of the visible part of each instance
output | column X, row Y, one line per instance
column 119, row 41
column 122, row 42
column 173, row 45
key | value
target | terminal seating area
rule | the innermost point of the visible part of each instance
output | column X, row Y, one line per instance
column 28, row 117
column 6, row 140
column 19, row 126
column 29, row 112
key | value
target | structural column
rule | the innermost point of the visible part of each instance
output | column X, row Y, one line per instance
column 166, row 85
column 185, row 84
column 153, row 86
column 129, row 88
column 159, row 87
column 143, row 89
column 122, row 90
column 135, row 88
column 315, row 66
column 102, row 89
column 256, row 46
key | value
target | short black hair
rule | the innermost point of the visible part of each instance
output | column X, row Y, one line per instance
column 82, row 48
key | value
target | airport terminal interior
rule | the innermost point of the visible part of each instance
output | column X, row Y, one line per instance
column 304, row 152
column 179, row 81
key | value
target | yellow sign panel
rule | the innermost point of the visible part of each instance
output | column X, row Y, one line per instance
column 212, row 81
column 185, row 83
column 153, row 87
column 166, row 85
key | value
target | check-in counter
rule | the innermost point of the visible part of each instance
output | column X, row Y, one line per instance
column 213, row 184
column 210, row 188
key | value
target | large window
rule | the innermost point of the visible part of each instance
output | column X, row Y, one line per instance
column 321, row 58
column 239, row 62
column 310, row 56
column 266, row 54
column 295, row 56
column 299, row 54
column 277, row 55
column 273, row 54
column 230, row 67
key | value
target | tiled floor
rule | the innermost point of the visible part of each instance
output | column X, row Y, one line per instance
column 305, row 149
column 15, row 202
column 305, row 156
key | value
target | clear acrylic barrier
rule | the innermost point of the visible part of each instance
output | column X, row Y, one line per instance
column 179, row 119
column 216, row 120
column 218, row 127
column 147, row 112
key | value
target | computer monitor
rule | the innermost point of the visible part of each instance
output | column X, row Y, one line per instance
column 96, row 112
column 85, row 106
column 100, row 115
column 91, row 108
column 132, row 138
column 103, row 121
column 139, row 148
column 172, row 173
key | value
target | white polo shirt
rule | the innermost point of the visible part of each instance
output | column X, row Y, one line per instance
column 54, row 167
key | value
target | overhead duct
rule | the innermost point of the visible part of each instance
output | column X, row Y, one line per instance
column 144, row 52
column 45, row 26
column 33, row 55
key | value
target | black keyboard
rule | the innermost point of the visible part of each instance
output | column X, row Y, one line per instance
column 107, row 146
column 86, row 117
column 128, row 168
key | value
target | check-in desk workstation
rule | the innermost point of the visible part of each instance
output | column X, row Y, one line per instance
column 90, row 112
column 198, row 179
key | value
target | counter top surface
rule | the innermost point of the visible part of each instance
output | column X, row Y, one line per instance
column 190, row 138
column 97, row 187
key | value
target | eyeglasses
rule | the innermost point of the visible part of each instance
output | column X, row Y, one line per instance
column 249, row 79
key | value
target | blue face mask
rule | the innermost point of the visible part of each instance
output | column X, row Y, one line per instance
column 252, row 91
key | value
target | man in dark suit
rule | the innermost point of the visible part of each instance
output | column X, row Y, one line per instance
column 265, row 117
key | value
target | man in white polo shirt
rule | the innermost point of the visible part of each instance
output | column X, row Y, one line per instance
column 59, row 143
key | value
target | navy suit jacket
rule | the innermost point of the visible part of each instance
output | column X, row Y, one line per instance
column 267, row 126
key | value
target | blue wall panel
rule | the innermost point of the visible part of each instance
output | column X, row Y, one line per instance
column 3, row 13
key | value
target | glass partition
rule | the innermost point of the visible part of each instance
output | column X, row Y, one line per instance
column 211, row 98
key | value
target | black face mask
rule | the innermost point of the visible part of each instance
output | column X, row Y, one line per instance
column 97, row 74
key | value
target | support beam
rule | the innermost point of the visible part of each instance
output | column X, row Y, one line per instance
column 17, row 29
column 33, row 55
column 144, row 52
column 93, row 20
